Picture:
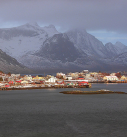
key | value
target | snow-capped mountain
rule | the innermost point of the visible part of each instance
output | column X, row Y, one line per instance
column 59, row 47
column 56, row 52
column 87, row 43
column 9, row 64
column 116, row 49
column 59, row 53
column 24, row 39
column 45, row 48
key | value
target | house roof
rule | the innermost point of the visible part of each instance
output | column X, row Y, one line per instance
column 111, row 76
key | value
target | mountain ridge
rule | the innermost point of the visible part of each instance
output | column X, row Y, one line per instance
column 44, row 47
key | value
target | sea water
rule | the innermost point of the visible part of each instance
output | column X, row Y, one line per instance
column 48, row 113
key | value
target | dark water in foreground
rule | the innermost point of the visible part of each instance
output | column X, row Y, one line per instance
column 48, row 113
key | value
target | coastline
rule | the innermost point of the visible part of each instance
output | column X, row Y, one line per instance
column 54, row 87
column 107, row 82
column 45, row 87
column 29, row 88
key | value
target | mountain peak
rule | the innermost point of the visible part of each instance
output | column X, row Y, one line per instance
column 119, row 44
column 51, row 30
column 108, row 44
column 50, row 26
column 32, row 24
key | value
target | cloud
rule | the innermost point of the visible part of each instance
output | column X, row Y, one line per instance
column 109, row 15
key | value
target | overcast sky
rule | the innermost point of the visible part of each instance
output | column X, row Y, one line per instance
column 105, row 19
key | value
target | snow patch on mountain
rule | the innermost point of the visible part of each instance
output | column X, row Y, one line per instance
column 87, row 43
column 30, row 26
column 115, row 49
column 121, row 48
column 121, row 59
column 18, row 46
column 51, row 30
column 25, row 39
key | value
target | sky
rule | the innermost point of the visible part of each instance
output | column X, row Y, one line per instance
column 105, row 19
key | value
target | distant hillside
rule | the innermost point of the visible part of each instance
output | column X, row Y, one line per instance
column 9, row 64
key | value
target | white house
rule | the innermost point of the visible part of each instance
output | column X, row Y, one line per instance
column 68, row 77
column 51, row 80
column 15, row 75
column 85, row 71
column 112, row 74
column 110, row 78
column 1, row 84
column 28, row 77
column 60, row 74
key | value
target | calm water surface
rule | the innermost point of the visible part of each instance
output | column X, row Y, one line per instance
column 48, row 113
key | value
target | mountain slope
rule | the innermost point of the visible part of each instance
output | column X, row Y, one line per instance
column 56, row 52
column 116, row 49
column 87, row 43
column 121, row 48
column 59, row 47
column 24, row 39
column 111, row 50
column 9, row 64
column 121, row 59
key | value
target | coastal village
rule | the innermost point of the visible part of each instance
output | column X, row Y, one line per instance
column 70, row 80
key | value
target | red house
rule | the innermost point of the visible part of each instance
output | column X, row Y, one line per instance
column 82, row 83
column 11, row 82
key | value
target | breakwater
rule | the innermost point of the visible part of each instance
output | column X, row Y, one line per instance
column 107, row 81
column 45, row 87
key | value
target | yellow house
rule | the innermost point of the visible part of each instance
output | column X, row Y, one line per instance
column 74, row 75
column 123, row 78
column 94, row 73
column 38, row 78
column 24, row 82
